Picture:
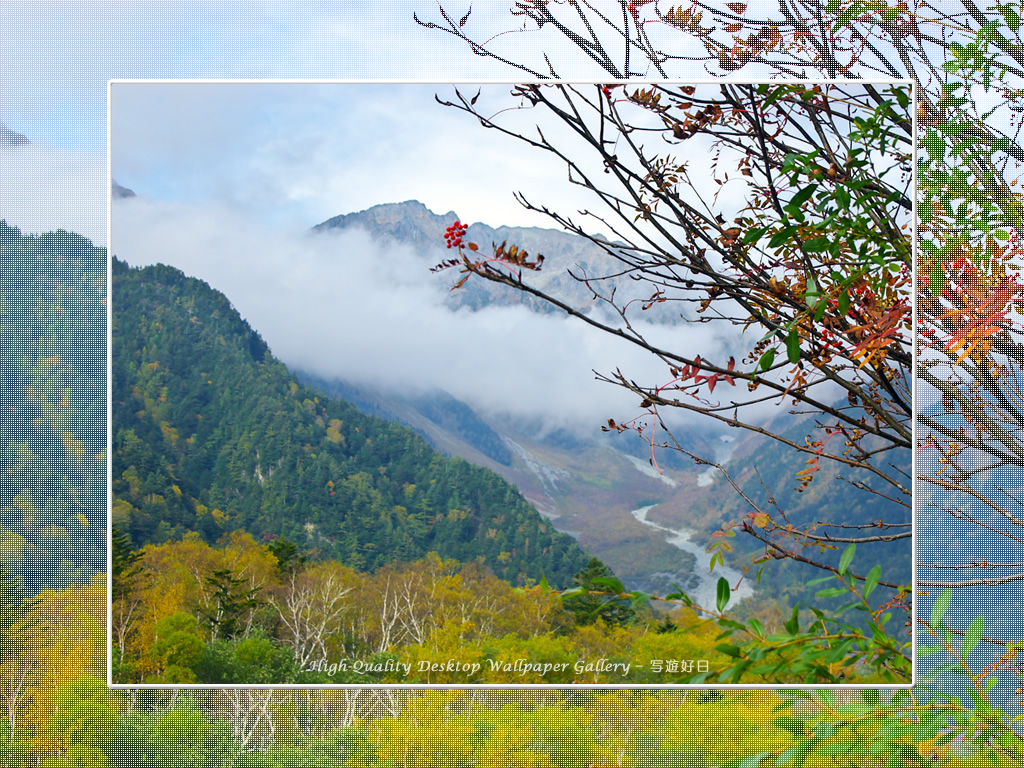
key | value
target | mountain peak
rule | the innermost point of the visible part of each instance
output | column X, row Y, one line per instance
column 119, row 191
column 413, row 224
column 9, row 138
column 410, row 220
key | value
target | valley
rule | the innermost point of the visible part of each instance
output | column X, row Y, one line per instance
column 216, row 438
column 589, row 483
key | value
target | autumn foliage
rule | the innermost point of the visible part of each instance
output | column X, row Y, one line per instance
column 812, row 269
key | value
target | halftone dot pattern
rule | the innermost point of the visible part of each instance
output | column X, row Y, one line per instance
column 54, row 371
column 590, row 728
column 968, row 474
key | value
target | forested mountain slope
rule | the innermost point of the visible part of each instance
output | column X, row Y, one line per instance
column 53, row 430
column 212, row 433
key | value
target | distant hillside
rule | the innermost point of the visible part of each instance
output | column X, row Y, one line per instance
column 212, row 433
column 446, row 415
column 53, row 431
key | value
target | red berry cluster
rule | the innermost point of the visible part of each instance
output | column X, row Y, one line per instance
column 632, row 7
column 453, row 235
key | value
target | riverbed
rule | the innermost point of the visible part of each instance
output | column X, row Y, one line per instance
column 706, row 592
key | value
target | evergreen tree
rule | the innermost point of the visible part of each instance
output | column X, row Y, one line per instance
column 598, row 597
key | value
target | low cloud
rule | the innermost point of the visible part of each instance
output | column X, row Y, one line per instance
column 43, row 190
column 348, row 306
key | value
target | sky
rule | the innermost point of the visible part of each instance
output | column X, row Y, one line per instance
column 298, row 154
column 58, row 58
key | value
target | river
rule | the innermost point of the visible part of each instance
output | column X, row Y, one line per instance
column 706, row 592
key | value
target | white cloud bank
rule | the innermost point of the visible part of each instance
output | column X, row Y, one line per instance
column 42, row 190
column 344, row 305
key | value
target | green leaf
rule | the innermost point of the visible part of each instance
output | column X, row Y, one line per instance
column 717, row 559
column 853, row 604
column 928, row 650
column 870, row 696
column 730, row 650
column 793, row 346
column 819, row 311
column 826, row 594
column 793, row 625
column 1012, row 18
column 936, row 147
column 610, row 583
column 781, row 237
column 723, row 594
column 731, row 625
column 791, row 724
column 796, row 755
column 812, row 295
column 873, row 577
column 679, row 595
column 754, row 760
column 753, row 235
column 817, row 244
column 766, row 361
column 937, row 278
column 844, row 303
column 940, row 607
column 973, row 636
column 802, row 196
column 828, row 730
column 846, row 559
column 774, row 96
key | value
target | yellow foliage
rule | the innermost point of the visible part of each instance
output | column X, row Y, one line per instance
column 721, row 731
column 65, row 635
column 681, row 653
column 170, row 434
column 446, row 657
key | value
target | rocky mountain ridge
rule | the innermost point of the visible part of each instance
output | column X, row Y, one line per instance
column 413, row 225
